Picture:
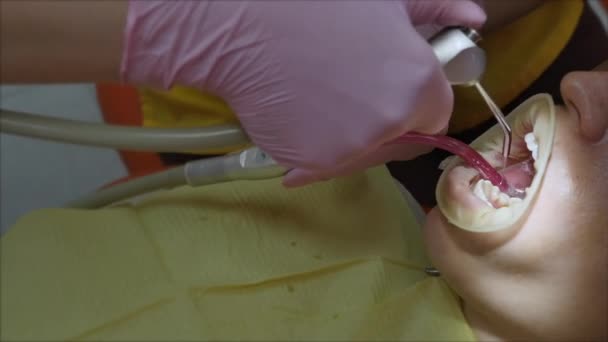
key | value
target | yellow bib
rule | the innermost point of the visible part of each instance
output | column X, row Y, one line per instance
column 342, row 260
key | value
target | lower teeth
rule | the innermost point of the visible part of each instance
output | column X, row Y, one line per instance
column 491, row 195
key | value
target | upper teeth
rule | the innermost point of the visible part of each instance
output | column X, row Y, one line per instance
column 532, row 144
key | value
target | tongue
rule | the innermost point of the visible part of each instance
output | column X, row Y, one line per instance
column 519, row 175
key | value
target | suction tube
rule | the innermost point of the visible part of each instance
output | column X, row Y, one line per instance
column 464, row 151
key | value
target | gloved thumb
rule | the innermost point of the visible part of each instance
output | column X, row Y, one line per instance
column 445, row 12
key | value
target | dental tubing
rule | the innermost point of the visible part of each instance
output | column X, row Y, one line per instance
column 197, row 139
column 249, row 164
column 200, row 139
column 252, row 164
column 464, row 151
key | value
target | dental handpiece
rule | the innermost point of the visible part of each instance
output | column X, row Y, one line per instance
column 463, row 63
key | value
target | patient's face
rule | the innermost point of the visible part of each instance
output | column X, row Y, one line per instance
column 546, row 274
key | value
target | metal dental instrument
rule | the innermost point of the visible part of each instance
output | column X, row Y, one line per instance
column 463, row 63
column 508, row 134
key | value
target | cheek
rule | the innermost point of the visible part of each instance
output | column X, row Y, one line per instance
column 444, row 252
column 450, row 254
column 570, row 186
column 570, row 205
column 433, row 237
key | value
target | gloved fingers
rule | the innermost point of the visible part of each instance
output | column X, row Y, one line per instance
column 354, row 120
column 432, row 104
column 385, row 153
column 302, row 177
column 313, row 85
column 445, row 12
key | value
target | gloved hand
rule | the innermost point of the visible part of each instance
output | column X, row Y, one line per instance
column 319, row 85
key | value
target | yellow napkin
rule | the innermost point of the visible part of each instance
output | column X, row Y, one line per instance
column 341, row 260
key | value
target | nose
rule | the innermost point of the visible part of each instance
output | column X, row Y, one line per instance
column 586, row 92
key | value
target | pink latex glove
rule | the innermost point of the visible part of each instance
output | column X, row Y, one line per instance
column 319, row 85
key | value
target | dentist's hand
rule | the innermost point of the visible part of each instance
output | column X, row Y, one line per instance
column 319, row 85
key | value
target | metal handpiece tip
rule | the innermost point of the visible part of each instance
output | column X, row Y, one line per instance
column 506, row 129
column 506, row 147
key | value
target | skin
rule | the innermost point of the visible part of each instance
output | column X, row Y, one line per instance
column 546, row 277
column 61, row 41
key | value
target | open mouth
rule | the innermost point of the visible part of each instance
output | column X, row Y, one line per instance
column 474, row 204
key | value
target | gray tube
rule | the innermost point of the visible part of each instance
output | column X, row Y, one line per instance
column 249, row 164
column 122, row 137
column 163, row 180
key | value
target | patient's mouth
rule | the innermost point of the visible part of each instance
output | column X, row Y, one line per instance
column 473, row 203
column 518, row 174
